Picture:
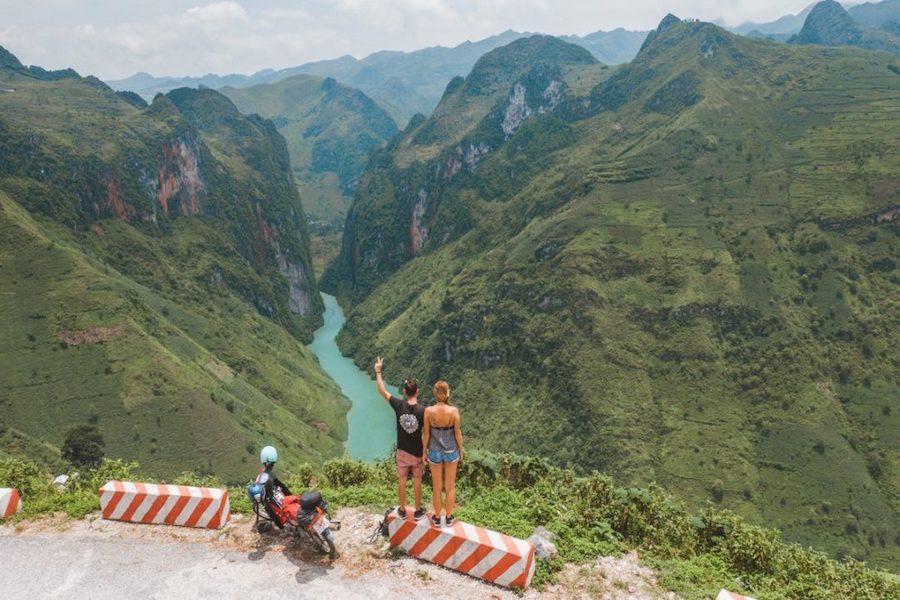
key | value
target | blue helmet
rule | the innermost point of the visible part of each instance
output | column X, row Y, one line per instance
column 268, row 455
column 255, row 492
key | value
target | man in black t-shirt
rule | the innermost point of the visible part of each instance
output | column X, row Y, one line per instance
column 410, row 453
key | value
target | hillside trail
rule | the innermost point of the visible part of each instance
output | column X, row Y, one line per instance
column 58, row 557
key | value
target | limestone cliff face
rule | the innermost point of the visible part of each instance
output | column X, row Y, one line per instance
column 170, row 185
column 518, row 110
column 180, row 180
column 301, row 284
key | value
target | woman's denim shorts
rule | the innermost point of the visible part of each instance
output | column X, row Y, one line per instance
column 436, row 458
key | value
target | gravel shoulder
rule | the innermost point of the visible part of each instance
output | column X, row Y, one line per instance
column 57, row 557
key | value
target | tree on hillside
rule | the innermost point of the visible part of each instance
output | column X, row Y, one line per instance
column 83, row 446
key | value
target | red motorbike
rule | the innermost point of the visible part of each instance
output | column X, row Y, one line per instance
column 305, row 515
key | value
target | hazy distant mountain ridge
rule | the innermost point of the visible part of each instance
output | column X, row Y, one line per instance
column 404, row 83
column 829, row 24
column 876, row 14
column 786, row 25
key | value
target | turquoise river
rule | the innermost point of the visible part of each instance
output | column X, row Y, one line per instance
column 372, row 432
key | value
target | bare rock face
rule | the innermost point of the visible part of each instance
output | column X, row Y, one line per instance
column 299, row 299
column 180, row 178
column 418, row 230
column 517, row 110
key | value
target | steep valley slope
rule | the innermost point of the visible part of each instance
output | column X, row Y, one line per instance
column 155, row 280
column 330, row 130
column 682, row 270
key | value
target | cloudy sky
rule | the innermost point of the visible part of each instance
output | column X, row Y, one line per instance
column 115, row 38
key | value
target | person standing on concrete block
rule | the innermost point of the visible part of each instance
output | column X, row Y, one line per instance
column 443, row 441
column 410, row 451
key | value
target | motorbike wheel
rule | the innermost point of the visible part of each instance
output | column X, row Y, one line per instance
column 324, row 543
column 329, row 540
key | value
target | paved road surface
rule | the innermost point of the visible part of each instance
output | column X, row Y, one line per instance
column 79, row 567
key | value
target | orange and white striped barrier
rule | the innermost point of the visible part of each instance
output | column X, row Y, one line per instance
column 10, row 502
column 475, row 551
column 726, row 595
column 181, row 505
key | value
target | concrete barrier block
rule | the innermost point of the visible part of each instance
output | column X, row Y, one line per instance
column 181, row 505
column 475, row 551
column 10, row 502
column 726, row 595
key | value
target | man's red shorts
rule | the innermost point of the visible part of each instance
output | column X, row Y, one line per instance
column 408, row 464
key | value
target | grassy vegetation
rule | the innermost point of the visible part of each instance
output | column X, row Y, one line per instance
column 678, row 274
column 185, row 384
column 695, row 553
column 155, row 281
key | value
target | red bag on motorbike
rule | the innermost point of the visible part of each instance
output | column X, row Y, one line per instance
column 290, row 506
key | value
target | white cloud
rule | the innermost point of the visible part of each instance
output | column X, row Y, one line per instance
column 113, row 39
column 218, row 11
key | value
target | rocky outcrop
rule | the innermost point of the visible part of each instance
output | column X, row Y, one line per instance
column 299, row 297
column 180, row 182
column 418, row 230
column 518, row 111
column 300, row 285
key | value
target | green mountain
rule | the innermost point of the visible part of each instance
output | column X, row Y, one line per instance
column 155, row 280
column 682, row 270
column 330, row 131
column 828, row 24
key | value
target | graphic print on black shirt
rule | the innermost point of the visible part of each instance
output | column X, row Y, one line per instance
column 410, row 420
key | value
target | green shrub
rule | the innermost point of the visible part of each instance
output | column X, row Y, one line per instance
column 344, row 472
column 108, row 470
column 190, row 478
column 25, row 477
column 503, row 509
column 478, row 470
column 299, row 479
column 385, row 471
column 238, row 500
column 520, row 472
column 375, row 497
column 83, row 446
